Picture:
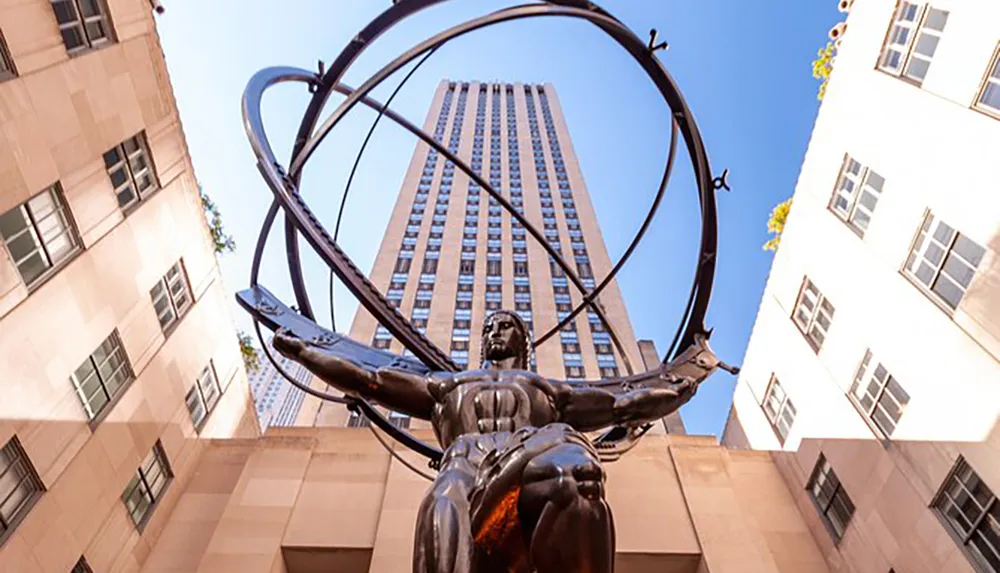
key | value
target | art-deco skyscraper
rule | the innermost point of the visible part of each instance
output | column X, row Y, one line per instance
column 452, row 254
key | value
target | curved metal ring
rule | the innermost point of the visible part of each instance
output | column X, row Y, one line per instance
column 507, row 14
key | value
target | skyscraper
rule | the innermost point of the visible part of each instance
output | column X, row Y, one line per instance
column 873, row 365
column 119, row 357
column 278, row 403
column 451, row 254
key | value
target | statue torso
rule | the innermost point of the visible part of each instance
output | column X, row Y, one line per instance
column 486, row 401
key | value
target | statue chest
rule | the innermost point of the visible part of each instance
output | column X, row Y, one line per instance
column 483, row 407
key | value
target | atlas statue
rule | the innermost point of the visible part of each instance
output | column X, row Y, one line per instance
column 519, row 484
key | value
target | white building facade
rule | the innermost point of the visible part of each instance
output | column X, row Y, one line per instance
column 873, row 369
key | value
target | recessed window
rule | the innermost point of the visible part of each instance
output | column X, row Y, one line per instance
column 969, row 507
column 913, row 38
column 203, row 396
column 103, row 376
column 943, row 261
column 879, row 395
column 831, row 500
column 84, row 24
column 129, row 168
column 574, row 372
column 989, row 95
column 856, row 195
column 171, row 296
column 7, row 69
column 39, row 235
column 813, row 314
column 81, row 567
column 20, row 487
column 778, row 409
column 609, row 371
column 147, row 486
column 399, row 420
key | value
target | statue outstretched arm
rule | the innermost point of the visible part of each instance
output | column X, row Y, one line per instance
column 396, row 389
column 634, row 400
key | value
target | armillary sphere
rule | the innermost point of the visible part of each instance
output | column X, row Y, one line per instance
column 284, row 180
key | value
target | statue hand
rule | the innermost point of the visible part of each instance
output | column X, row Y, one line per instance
column 288, row 344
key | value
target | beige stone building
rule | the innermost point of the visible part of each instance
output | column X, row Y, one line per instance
column 873, row 365
column 118, row 354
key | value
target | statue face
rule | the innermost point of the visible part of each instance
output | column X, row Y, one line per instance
column 503, row 337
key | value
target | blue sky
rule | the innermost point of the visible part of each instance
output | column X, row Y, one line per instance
column 744, row 68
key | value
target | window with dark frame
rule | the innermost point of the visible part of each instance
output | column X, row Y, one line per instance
column 856, row 195
column 913, row 38
column 969, row 507
column 358, row 420
column 83, row 24
column 203, row 396
column 39, row 235
column 145, row 489
column 130, row 169
column 988, row 99
column 399, row 420
column 103, row 376
column 7, row 68
column 878, row 395
column 778, row 409
column 813, row 314
column 20, row 487
column 943, row 261
column 832, row 501
column 171, row 296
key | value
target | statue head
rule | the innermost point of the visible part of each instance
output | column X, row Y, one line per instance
column 506, row 340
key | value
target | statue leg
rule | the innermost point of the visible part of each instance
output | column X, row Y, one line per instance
column 562, row 508
column 443, row 540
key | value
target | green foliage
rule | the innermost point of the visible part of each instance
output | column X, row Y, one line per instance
column 251, row 356
column 823, row 66
column 776, row 224
column 223, row 243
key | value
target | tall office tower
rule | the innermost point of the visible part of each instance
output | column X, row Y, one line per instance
column 873, row 369
column 451, row 254
column 278, row 403
column 118, row 354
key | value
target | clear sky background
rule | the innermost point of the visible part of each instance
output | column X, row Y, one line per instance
column 744, row 68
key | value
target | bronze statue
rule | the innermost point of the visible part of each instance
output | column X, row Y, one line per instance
column 520, row 486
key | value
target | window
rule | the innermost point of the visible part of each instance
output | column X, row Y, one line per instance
column 203, row 396
column 879, row 395
column 493, row 268
column 943, row 261
column 103, row 376
column 831, row 500
column 38, row 235
column 150, row 480
column 609, row 371
column 857, row 192
column 970, row 509
column 358, row 420
column 129, row 168
column 20, row 487
column 429, row 266
column 778, row 409
column 7, row 69
column 399, row 420
column 83, row 24
column 467, row 267
column 81, row 567
column 171, row 296
column 989, row 95
column 813, row 314
column 912, row 40
column 574, row 372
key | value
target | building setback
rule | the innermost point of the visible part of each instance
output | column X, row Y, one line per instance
column 118, row 354
column 873, row 365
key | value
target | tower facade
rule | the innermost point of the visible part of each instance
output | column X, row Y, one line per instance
column 278, row 403
column 872, row 366
column 118, row 353
column 451, row 254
